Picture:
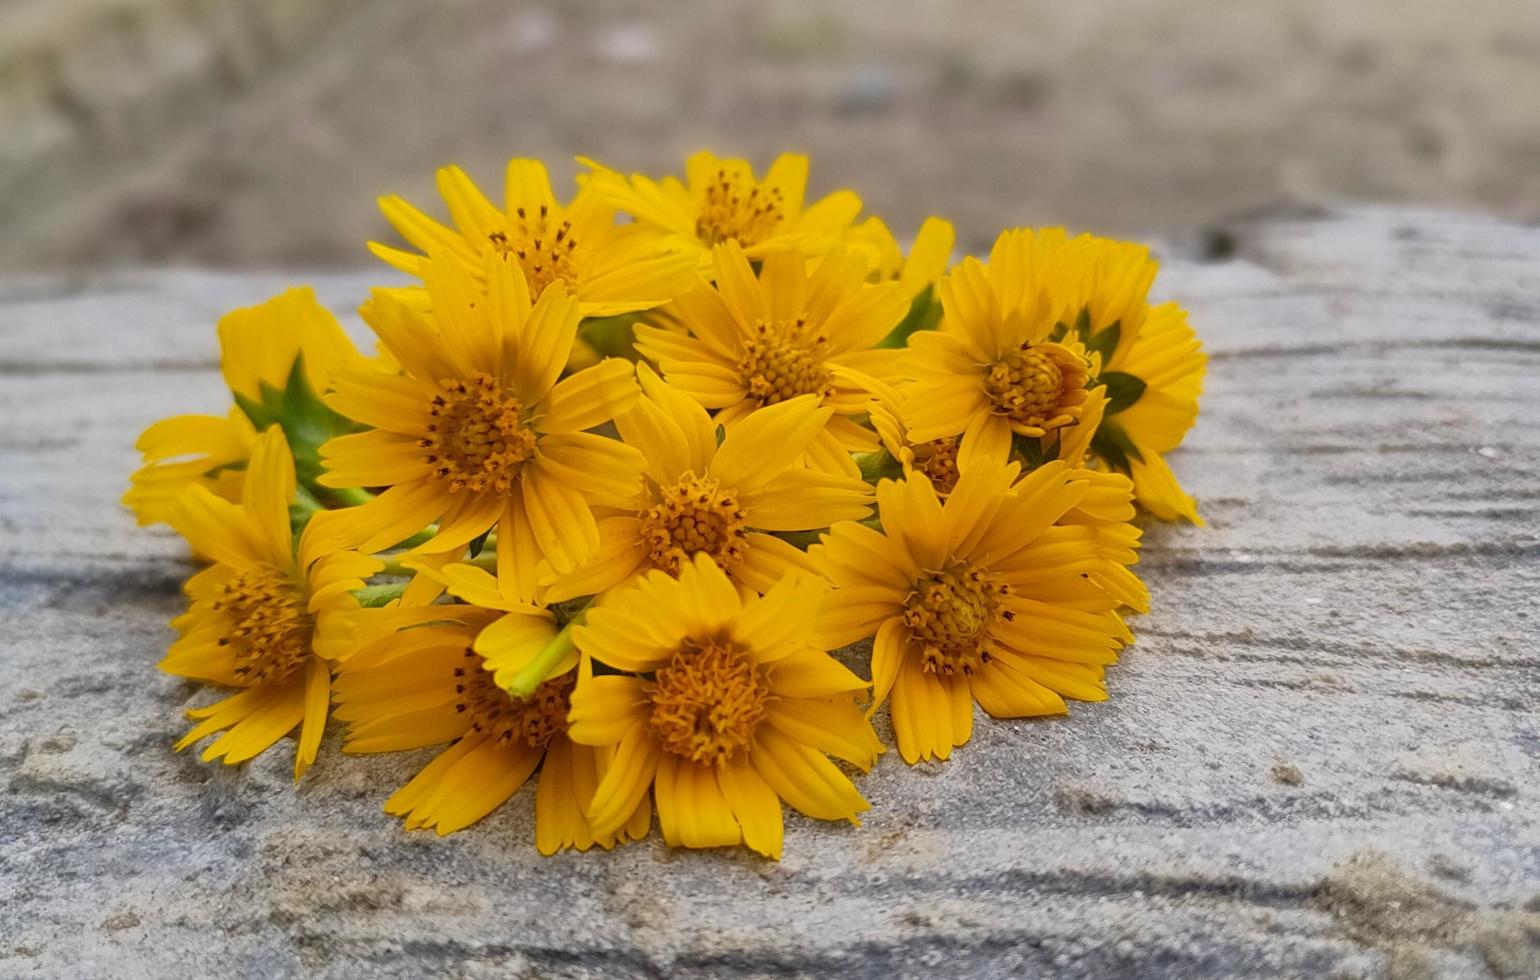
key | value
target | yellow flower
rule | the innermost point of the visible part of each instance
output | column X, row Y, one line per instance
column 185, row 451
column 443, row 681
column 477, row 432
column 993, row 367
column 748, row 343
column 717, row 500
column 1150, row 361
column 610, row 268
column 1026, row 337
column 260, row 347
column 265, row 617
column 940, row 460
column 721, row 201
column 1107, row 508
column 981, row 598
column 737, row 711
column 927, row 259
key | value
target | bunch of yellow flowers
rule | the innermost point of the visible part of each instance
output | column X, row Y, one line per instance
column 626, row 472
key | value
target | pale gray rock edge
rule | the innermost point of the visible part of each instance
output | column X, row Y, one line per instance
column 1320, row 759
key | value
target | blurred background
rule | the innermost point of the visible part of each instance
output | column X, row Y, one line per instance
column 249, row 133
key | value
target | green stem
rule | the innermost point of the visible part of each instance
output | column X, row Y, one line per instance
column 373, row 596
column 801, row 540
column 878, row 466
column 350, row 496
column 394, row 567
column 539, row 669
column 304, row 507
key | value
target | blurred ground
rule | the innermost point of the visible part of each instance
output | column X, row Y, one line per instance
column 258, row 132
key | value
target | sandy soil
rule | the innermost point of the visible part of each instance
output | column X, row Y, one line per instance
column 258, row 132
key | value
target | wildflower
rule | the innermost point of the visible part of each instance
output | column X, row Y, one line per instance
column 1148, row 359
column 1025, row 338
column 443, row 681
column 941, row 460
column 609, row 268
column 736, row 710
column 1107, row 508
column 992, row 368
column 927, row 259
column 266, row 617
column 981, row 598
column 289, row 343
column 720, row 200
column 746, row 343
column 718, row 500
column 476, row 432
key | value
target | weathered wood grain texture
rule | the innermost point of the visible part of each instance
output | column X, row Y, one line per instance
column 1320, row 759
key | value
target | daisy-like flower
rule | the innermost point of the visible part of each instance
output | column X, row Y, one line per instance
column 702, row 498
column 260, row 348
column 477, row 432
column 444, row 681
column 720, row 200
column 927, row 259
column 266, row 617
column 940, row 460
column 1026, row 337
column 1149, row 360
column 994, row 367
column 980, row 598
column 735, row 711
column 1107, row 508
column 610, row 268
column 750, row 342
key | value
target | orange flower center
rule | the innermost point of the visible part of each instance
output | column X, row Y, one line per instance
column 267, row 627
column 707, row 701
column 478, row 438
column 778, row 363
column 1037, row 387
column 494, row 712
column 545, row 248
column 694, row 515
column 949, row 613
column 738, row 209
column 937, row 459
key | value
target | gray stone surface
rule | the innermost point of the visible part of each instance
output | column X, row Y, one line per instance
column 1320, row 759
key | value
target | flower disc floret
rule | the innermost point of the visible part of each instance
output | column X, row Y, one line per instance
column 547, row 249
column 707, row 701
column 497, row 714
column 778, row 363
column 695, row 516
column 1037, row 386
column 737, row 207
column 478, row 436
column 267, row 626
column 949, row 613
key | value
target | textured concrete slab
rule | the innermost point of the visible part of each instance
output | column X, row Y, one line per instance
column 1320, row 759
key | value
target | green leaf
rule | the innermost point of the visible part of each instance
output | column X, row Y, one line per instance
column 1112, row 444
column 1122, row 390
column 305, row 419
column 721, row 435
column 1105, row 341
column 924, row 314
column 878, row 466
column 1030, row 449
column 611, row 336
column 479, row 542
